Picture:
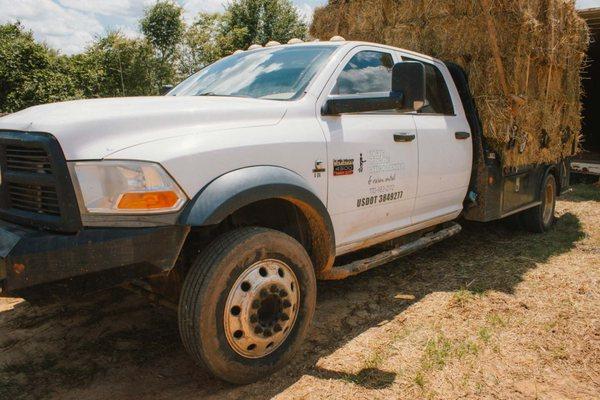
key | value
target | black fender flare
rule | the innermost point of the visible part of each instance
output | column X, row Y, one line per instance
column 236, row 189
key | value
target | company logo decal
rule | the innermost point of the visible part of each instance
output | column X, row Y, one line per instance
column 343, row 167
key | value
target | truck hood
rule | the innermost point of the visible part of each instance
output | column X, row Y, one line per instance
column 94, row 129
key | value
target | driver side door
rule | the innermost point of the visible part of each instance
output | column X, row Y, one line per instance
column 372, row 156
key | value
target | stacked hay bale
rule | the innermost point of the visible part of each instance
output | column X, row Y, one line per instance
column 523, row 58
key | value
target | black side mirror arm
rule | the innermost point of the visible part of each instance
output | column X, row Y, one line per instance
column 165, row 89
column 359, row 103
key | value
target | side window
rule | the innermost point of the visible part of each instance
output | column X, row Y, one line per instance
column 437, row 94
column 367, row 72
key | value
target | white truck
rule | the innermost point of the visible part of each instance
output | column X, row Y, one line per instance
column 236, row 191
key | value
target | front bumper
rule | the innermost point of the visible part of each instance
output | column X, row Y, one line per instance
column 31, row 258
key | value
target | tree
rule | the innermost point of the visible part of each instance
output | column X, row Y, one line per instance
column 122, row 66
column 202, row 43
column 244, row 22
column 258, row 21
column 163, row 26
column 31, row 73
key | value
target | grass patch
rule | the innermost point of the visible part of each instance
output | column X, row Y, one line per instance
column 495, row 320
column 466, row 348
column 583, row 192
column 437, row 352
column 420, row 379
column 464, row 296
column 375, row 360
column 11, row 390
column 440, row 351
column 484, row 334
column 30, row 368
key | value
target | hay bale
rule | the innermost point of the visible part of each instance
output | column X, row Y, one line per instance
column 530, row 116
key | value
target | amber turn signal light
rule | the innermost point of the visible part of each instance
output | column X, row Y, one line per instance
column 148, row 200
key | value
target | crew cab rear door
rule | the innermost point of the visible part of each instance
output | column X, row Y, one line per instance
column 372, row 161
column 445, row 146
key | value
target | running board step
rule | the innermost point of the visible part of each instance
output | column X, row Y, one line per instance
column 359, row 266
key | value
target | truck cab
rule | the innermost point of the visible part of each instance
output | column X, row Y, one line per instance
column 231, row 195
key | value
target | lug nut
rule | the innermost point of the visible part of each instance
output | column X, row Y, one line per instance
column 253, row 318
column 273, row 288
column 264, row 293
column 277, row 328
column 287, row 304
column 267, row 333
column 284, row 317
column 255, row 304
column 258, row 330
column 283, row 293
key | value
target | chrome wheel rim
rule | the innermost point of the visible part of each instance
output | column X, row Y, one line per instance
column 548, row 203
column 261, row 308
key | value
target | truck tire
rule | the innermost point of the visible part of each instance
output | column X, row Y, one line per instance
column 541, row 218
column 247, row 303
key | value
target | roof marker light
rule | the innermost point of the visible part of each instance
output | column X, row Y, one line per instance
column 254, row 47
column 272, row 43
column 295, row 41
column 337, row 39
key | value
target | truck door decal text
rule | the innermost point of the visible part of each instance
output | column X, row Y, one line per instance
column 378, row 199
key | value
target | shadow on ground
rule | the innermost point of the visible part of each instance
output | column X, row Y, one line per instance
column 114, row 344
column 583, row 192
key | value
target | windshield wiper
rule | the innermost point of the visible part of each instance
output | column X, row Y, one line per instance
column 221, row 95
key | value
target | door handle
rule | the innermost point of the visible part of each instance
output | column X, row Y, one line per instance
column 404, row 137
column 462, row 135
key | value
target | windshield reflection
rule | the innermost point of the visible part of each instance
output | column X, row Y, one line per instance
column 280, row 73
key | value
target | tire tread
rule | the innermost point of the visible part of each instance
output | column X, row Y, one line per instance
column 194, row 281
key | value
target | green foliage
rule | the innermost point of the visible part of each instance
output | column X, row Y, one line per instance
column 202, row 43
column 258, row 21
column 163, row 26
column 244, row 22
column 164, row 29
column 30, row 73
column 114, row 65
column 123, row 67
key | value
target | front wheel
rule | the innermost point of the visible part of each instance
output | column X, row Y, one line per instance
column 541, row 218
column 247, row 303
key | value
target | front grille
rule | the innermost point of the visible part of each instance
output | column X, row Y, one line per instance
column 36, row 187
column 34, row 198
column 19, row 158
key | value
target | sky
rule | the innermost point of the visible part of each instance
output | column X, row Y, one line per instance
column 71, row 25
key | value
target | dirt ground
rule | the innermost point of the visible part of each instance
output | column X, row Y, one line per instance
column 491, row 313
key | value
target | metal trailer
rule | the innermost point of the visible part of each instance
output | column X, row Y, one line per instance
column 588, row 161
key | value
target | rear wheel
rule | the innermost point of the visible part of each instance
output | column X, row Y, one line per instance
column 247, row 303
column 541, row 218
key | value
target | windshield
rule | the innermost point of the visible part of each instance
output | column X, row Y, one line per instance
column 279, row 73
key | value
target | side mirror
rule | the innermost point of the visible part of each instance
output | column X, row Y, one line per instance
column 408, row 93
column 408, row 78
column 355, row 103
column 165, row 89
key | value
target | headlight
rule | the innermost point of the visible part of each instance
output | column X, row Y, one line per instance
column 126, row 187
